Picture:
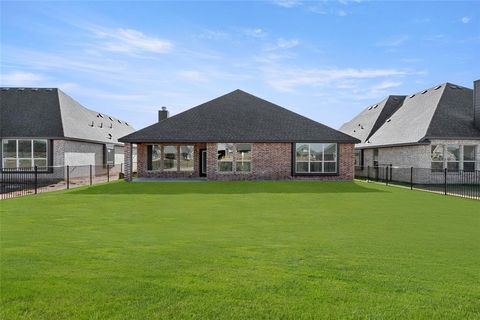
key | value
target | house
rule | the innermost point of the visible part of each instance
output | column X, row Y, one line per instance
column 436, row 129
column 240, row 137
column 46, row 128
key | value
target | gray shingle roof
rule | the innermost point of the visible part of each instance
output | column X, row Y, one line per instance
column 372, row 118
column 50, row 113
column 237, row 117
column 441, row 112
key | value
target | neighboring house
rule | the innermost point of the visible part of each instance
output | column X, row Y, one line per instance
column 240, row 137
column 436, row 128
column 46, row 128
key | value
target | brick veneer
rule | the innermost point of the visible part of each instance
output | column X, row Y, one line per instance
column 270, row 161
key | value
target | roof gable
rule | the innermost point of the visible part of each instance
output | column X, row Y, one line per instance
column 237, row 117
column 367, row 122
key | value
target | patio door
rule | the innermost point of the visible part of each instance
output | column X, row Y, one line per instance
column 203, row 162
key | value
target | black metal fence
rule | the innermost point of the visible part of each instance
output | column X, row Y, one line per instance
column 458, row 183
column 16, row 182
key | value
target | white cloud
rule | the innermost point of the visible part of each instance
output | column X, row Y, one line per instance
column 342, row 13
column 255, row 33
column 284, row 79
column 20, row 78
column 213, row 35
column 465, row 19
column 287, row 3
column 286, row 44
column 191, row 75
column 394, row 41
column 132, row 41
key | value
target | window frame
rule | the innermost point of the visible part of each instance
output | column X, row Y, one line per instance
column 433, row 170
column 180, row 158
column 459, row 158
column 106, row 148
column 323, row 173
column 475, row 157
column 32, row 158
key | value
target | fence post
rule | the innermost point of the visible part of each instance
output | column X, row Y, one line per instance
column 108, row 173
column 386, row 176
column 90, row 174
column 36, row 179
column 411, row 178
column 121, row 167
column 445, row 181
column 368, row 172
column 68, row 177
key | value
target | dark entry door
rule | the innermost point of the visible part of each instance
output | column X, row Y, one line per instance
column 203, row 162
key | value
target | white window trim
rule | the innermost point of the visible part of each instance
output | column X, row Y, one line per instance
column 32, row 157
column 323, row 161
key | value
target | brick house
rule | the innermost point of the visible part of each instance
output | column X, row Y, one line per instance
column 434, row 129
column 240, row 137
column 45, row 127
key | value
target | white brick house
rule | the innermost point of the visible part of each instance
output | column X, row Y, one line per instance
column 434, row 129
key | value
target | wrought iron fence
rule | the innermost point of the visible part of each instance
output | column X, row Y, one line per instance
column 458, row 183
column 16, row 182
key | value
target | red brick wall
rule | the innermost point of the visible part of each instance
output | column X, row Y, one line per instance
column 273, row 161
column 270, row 161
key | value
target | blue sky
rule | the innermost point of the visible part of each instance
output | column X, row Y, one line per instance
column 326, row 60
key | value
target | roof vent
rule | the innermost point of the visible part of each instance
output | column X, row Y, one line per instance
column 424, row 91
column 20, row 89
column 34, row 89
column 354, row 130
column 100, row 125
column 100, row 115
column 389, row 120
column 126, row 123
column 370, row 108
column 110, row 118
column 110, row 125
column 109, row 136
column 91, row 124
column 49, row 89
column 4, row 89
column 411, row 96
column 375, row 106
column 119, row 121
column 437, row 87
column 361, row 127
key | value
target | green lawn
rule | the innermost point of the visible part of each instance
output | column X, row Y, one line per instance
column 240, row 250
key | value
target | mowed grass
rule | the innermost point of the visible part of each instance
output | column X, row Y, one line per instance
column 240, row 250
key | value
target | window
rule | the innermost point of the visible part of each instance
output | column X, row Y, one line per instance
column 243, row 157
column 453, row 157
column 437, row 158
column 109, row 156
column 24, row 153
column 315, row 157
column 225, row 157
column 153, row 157
column 186, row 158
column 469, row 156
column 169, row 158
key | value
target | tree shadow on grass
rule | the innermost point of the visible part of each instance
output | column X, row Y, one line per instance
column 226, row 187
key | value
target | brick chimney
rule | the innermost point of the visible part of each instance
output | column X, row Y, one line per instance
column 162, row 114
column 476, row 103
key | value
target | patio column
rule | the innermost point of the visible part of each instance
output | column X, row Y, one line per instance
column 127, row 151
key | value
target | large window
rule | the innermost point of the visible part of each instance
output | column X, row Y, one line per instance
column 234, row 157
column 453, row 157
column 186, row 158
column 315, row 158
column 469, row 157
column 169, row 158
column 25, row 153
column 437, row 158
